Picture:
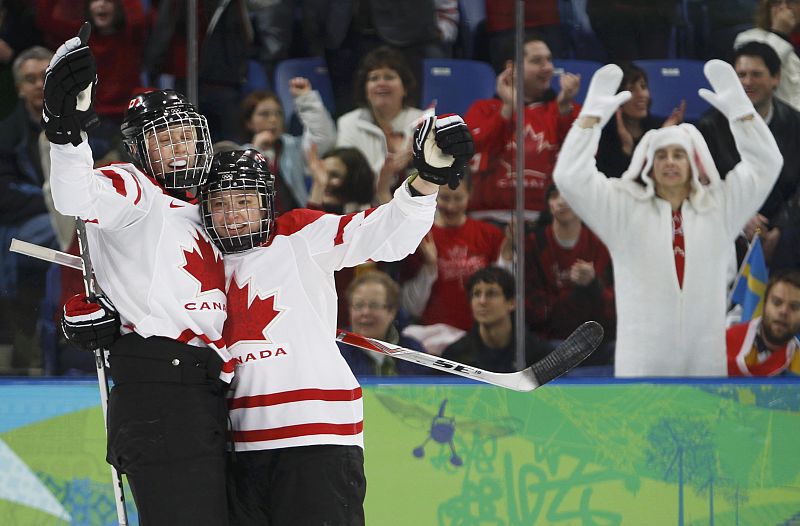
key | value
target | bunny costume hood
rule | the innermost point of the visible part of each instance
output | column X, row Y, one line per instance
column 704, row 174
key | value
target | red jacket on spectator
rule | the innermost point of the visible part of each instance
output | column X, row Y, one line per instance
column 460, row 251
column 493, row 176
column 118, row 56
column 555, row 306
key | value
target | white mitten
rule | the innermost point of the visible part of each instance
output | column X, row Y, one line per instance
column 728, row 95
column 602, row 99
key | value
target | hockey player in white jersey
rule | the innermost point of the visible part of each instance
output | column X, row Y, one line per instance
column 153, row 259
column 295, row 406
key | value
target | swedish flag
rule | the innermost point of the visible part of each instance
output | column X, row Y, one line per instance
column 751, row 283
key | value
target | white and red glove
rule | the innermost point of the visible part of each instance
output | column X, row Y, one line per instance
column 90, row 325
column 442, row 148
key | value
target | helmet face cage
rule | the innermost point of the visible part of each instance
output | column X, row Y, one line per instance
column 238, row 210
column 175, row 147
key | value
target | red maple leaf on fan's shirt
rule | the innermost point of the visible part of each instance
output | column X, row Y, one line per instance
column 247, row 321
column 204, row 265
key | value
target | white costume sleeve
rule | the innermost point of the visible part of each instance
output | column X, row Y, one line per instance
column 748, row 184
column 590, row 193
column 389, row 232
column 318, row 125
column 111, row 197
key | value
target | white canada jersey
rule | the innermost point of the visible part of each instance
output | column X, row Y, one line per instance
column 292, row 386
column 150, row 253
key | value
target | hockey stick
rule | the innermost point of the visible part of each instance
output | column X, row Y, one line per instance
column 578, row 345
column 100, row 364
column 84, row 264
column 572, row 351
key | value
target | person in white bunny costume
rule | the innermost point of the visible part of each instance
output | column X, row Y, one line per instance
column 669, row 223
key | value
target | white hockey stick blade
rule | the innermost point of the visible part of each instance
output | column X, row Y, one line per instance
column 46, row 254
column 580, row 344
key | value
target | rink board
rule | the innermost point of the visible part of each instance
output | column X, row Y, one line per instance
column 571, row 453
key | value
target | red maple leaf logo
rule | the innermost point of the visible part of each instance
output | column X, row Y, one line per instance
column 204, row 265
column 247, row 321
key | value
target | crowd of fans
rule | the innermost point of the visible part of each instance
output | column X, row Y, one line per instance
column 455, row 296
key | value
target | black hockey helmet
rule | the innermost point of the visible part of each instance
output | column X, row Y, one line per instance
column 240, row 193
column 168, row 119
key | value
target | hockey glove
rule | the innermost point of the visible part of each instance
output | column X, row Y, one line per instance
column 90, row 325
column 69, row 87
column 602, row 99
column 442, row 148
column 728, row 95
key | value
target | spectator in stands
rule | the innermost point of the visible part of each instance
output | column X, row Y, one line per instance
column 759, row 71
column 491, row 343
column 18, row 32
column 541, row 16
column 373, row 303
column 547, row 119
column 22, row 208
column 787, row 250
column 768, row 345
column 775, row 21
column 568, row 278
column 633, row 29
column 669, row 234
column 118, row 30
column 225, row 36
column 456, row 247
column 342, row 183
column 631, row 122
column 273, row 24
column 383, row 124
column 263, row 123
column 719, row 21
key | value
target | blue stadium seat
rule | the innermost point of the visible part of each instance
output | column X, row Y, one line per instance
column 673, row 80
column 256, row 78
column 454, row 84
column 312, row 68
column 586, row 68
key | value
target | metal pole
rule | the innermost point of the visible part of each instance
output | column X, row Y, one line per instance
column 519, row 241
column 191, row 52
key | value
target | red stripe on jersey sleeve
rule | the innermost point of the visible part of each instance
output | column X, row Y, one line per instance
column 344, row 221
column 116, row 180
column 294, row 221
column 285, row 397
column 317, row 428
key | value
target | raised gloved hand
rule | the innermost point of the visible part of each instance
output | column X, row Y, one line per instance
column 602, row 99
column 69, row 86
column 90, row 325
column 442, row 148
column 728, row 95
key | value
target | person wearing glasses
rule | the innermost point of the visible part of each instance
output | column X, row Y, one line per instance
column 373, row 301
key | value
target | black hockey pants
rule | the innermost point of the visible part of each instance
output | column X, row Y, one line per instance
column 167, row 423
column 298, row 486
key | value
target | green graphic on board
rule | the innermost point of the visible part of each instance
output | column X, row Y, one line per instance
column 468, row 455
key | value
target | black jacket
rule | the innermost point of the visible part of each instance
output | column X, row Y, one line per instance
column 785, row 126
column 470, row 350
